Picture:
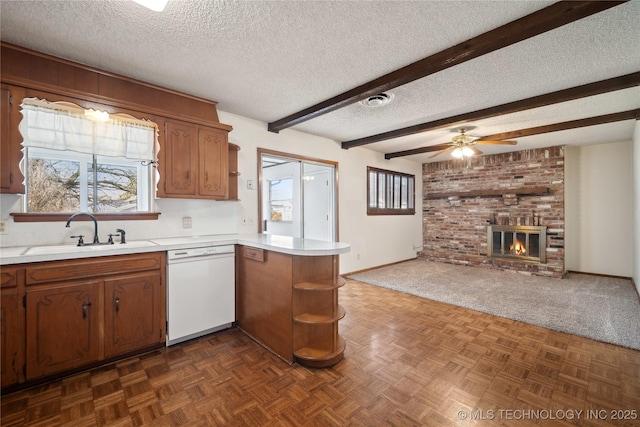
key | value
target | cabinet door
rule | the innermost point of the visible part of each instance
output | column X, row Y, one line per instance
column 11, row 364
column 133, row 306
column 181, row 159
column 10, row 140
column 62, row 327
column 264, row 299
column 10, row 338
column 214, row 163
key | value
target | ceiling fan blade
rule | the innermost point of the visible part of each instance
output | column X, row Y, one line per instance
column 475, row 150
column 441, row 152
column 488, row 142
column 437, row 147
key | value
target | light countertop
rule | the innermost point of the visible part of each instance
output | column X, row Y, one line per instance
column 283, row 244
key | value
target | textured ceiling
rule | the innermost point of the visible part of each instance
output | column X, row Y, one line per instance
column 268, row 59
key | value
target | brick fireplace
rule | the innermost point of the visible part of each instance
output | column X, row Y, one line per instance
column 473, row 213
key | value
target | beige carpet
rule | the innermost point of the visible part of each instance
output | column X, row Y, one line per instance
column 603, row 308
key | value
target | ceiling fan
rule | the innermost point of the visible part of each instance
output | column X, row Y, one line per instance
column 464, row 145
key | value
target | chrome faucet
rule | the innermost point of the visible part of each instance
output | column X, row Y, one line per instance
column 95, row 224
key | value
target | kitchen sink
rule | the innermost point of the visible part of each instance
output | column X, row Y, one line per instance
column 47, row 250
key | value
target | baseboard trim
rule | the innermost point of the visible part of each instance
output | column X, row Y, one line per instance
column 600, row 275
column 376, row 267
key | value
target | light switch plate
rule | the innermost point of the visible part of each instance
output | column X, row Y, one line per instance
column 186, row 222
column 4, row 226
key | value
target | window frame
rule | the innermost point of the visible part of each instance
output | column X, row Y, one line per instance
column 152, row 214
column 143, row 175
column 388, row 188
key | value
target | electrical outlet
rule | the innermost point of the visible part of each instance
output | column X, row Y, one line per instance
column 250, row 185
column 186, row 222
column 4, row 226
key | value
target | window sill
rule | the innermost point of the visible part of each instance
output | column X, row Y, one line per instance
column 61, row 217
column 372, row 211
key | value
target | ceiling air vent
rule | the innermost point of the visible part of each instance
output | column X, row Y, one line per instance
column 377, row 100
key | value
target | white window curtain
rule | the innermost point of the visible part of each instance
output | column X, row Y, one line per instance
column 64, row 126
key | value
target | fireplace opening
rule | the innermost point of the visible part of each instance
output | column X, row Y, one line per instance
column 525, row 243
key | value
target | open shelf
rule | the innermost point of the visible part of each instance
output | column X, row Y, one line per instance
column 314, row 286
column 233, row 171
column 321, row 358
column 320, row 318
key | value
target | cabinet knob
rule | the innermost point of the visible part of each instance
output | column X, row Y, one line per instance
column 117, row 304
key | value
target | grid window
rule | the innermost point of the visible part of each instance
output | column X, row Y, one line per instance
column 390, row 193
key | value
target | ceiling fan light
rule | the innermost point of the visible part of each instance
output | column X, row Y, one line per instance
column 467, row 152
column 457, row 153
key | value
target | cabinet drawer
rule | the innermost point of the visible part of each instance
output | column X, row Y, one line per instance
column 53, row 271
column 8, row 277
column 253, row 253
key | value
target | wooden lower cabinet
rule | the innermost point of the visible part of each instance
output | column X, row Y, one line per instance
column 133, row 312
column 63, row 327
column 77, row 313
column 11, row 326
column 290, row 304
column 263, row 299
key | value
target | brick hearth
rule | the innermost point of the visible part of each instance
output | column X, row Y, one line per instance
column 521, row 188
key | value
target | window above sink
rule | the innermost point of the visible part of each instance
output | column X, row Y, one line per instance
column 88, row 162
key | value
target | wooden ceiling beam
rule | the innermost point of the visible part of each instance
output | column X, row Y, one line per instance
column 549, row 18
column 572, row 124
column 556, row 127
column 421, row 150
column 583, row 91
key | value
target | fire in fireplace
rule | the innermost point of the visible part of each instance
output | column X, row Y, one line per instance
column 521, row 242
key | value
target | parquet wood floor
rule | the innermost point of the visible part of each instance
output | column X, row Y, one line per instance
column 408, row 362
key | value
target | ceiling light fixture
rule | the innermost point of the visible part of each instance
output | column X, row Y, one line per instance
column 155, row 5
column 461, row 152
column 377, row 100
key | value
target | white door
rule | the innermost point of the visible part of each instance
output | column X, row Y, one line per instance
column 317, row 184
column 297, row 198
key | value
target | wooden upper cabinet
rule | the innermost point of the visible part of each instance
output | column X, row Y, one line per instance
column 214, row 163
column 194, row 162
column 11, row 178
column 180, row 159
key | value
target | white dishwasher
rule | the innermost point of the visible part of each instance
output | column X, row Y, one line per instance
column 200, row 291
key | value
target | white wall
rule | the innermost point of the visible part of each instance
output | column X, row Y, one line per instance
column 599, row 209
column 375, row 240
column 636, row 181
column 207, row 217
column 571, row 208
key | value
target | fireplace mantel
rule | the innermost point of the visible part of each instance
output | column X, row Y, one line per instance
column 528, row 191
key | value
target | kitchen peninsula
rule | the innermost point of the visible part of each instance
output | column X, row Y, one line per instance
column 286, row 295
